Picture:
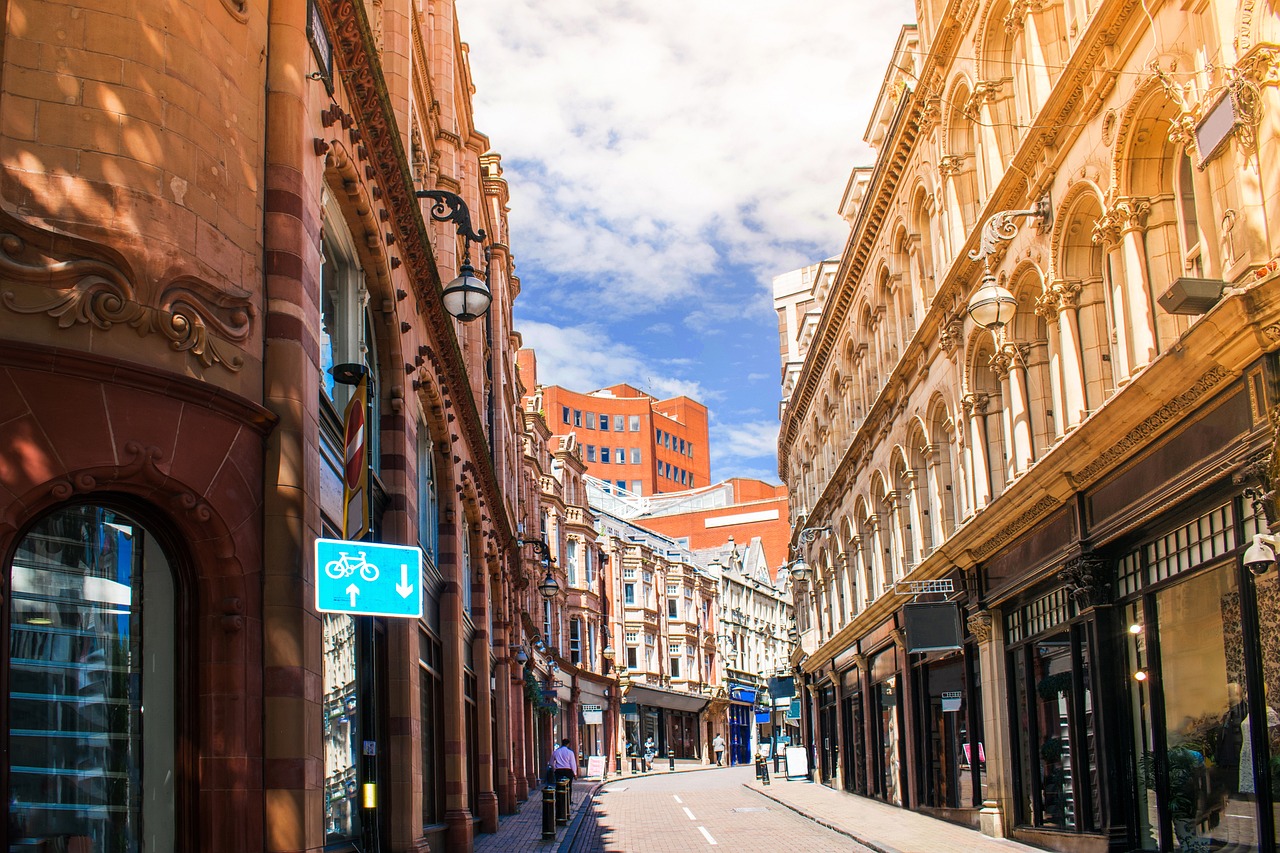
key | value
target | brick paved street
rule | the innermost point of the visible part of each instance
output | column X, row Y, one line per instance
column 726, row 808
column 710, row 809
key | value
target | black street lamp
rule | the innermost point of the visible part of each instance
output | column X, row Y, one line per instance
column 467, row 296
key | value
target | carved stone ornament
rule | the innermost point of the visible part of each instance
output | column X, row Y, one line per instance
column 194, row 315
column 980, row 626
column 1086, row 581
column 951, row 335
column 950, row 165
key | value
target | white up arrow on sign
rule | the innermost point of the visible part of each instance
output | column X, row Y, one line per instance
column 353, row 591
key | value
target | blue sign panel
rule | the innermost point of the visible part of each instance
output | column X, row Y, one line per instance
column 368, row 578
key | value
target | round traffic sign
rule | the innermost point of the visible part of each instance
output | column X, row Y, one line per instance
column 354, row 463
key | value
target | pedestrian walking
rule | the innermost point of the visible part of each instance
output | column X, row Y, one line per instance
column 564, row 762
column 717, row 746
column 649, row 752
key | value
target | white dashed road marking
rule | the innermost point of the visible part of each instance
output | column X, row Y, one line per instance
column 677, row 796
column 710, row 840
column 689, row 813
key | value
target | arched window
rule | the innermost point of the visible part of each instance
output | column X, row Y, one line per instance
column 345, row 337
column 92, row 694
column 1187, row 220
column 428, row 498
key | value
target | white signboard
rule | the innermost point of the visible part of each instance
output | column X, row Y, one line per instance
column 595, row 765
column 797, row 762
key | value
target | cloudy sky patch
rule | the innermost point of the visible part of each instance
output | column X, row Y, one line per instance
column 666, row 160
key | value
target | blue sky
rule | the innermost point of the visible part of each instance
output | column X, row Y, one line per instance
column 666, row 160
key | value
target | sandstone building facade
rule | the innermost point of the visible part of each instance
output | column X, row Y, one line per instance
column 1027, row 606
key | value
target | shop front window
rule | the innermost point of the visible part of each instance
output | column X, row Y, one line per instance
column 949, row 781
column 91, row 687
column 891, row 768
column 1208, row 756
column 1056, row 740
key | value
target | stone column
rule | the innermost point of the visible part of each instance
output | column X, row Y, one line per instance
column 1010, row 365
column 914, row 518
column 1047, row 307
column 504, row 751
column 1132, row 214
column 997, row 806
column 459, row 834
column 895, row 568
column 937, row 504
column 487, row 801
column 948, row 167
column 1073, row 402
column 877, row 557
column 975, row 407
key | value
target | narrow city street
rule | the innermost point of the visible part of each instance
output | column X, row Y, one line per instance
column 709, row 809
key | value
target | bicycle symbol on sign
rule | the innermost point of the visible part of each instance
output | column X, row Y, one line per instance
column 346, row 566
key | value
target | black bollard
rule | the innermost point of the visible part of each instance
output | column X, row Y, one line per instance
column 564, row 787
column 671, row 759
column 633, row 765
column 548, row 813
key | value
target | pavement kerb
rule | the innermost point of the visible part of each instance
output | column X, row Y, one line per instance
column 866, row 842
column 571, row 832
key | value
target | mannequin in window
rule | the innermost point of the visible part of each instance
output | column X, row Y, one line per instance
column 1246, row 750
column 1231, row 739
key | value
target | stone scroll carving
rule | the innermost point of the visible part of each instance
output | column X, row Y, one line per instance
column 193, row 315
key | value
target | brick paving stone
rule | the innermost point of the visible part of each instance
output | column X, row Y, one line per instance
column 880, row 826
column 523, row 830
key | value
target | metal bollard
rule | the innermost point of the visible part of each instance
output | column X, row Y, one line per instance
column 548, row 813
column 633, row 765
column 671, row 759
column 762, row 769
column 564, row 787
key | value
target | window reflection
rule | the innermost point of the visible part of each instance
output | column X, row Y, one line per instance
column 87, row 770
column 341, row 731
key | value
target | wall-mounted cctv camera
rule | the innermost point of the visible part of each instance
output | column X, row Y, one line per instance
column 1260, row 557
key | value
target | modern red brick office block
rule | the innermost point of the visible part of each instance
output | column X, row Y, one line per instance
column 629, row 439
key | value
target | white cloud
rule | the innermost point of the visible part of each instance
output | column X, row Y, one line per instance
column 648, row 144
column 584, row 359
column 743, row 440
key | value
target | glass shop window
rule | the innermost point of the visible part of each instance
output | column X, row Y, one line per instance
column 91, row 700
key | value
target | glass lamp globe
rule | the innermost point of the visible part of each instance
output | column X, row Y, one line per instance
column 992, row 306
column 467, row 296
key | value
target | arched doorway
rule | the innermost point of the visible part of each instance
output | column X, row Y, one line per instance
column 90, row 686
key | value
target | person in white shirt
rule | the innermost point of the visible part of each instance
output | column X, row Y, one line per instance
column 718, row 746
column 564, row 762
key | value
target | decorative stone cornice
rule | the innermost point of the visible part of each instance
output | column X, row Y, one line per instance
column 1151, row 426
column 1013, row 528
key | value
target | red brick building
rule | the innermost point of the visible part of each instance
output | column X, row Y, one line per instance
column 629, row 439
column 737, row 509
column 204, row 206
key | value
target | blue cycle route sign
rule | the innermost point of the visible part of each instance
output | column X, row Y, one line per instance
column 368, row 578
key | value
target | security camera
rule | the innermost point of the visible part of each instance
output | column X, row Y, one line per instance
column 1261, row 556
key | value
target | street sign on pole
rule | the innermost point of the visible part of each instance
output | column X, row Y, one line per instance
column 368, row 578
